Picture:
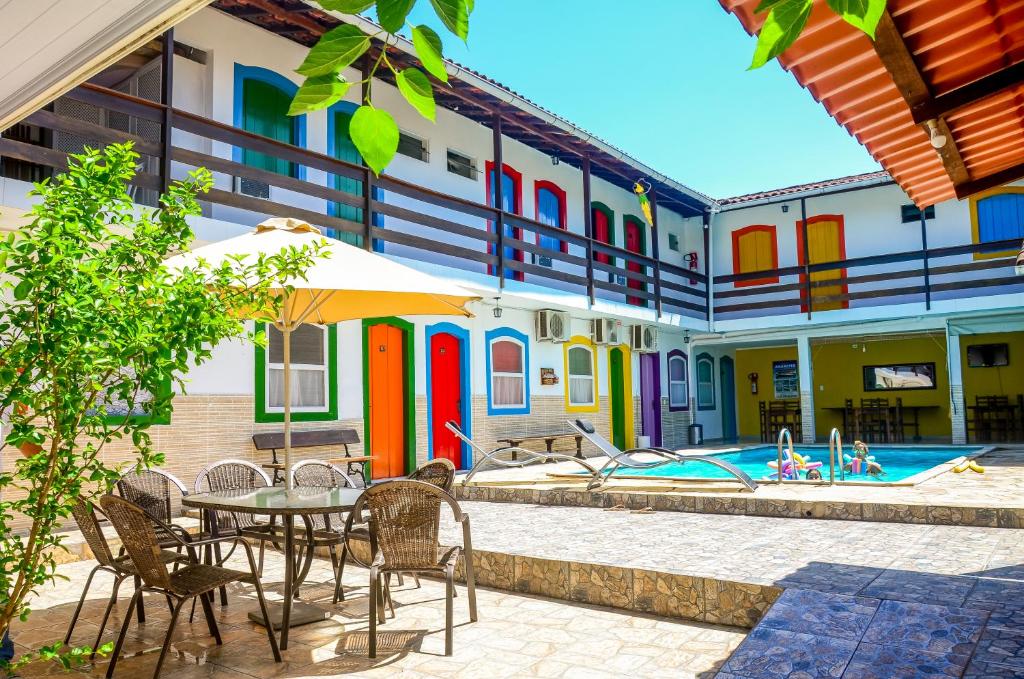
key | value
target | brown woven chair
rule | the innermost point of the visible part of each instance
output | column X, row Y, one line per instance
column 193, row 581
column 404, row 538
column 438, row 472
column 121, row 567
column 329, row 528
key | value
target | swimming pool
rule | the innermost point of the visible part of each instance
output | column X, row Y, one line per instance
column 899, row 463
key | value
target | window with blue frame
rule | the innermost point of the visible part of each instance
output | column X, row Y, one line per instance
column 550, row 203
column 262, row 98
column 508, row 372
column 512, row 202
column 998, row 217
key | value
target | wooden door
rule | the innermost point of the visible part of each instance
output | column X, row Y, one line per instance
column 265, row 112
column 825, row 243
column 446, row 395
column 634, row 243
column 617, row 396
column 727, row 382
column 345, row 150
column 387, row 400
column 650, row 396
column 602, row 233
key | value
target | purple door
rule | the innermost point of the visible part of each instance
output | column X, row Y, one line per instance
column 650, row 396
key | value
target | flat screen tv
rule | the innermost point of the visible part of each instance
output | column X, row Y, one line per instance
column 988, row 355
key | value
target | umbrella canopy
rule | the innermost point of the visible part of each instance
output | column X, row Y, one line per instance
column 346, row 283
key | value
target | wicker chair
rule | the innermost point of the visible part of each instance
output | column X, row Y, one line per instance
column 121, row 567
column 191, row 582
column 329, row 528
column 438, row 472
column 404, row 537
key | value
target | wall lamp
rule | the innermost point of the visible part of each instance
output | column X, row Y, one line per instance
column 497, row 307
column 936, row 137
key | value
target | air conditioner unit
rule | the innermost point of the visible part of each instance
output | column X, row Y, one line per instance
column 552, row 326
column 606, row 331
column 643, row 338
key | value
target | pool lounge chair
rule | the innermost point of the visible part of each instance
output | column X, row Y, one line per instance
column 528, row 457
column 653, row 457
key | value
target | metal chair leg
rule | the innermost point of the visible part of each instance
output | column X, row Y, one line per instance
column 124, row 631
column 167, row 639
column 81, row 602
column 449, row 576
column 373, row 612
column 211, row 621
column 141, row 610
column 339, row 588
column 106, row 613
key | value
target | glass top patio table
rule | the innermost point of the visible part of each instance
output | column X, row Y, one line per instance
column 277, row 501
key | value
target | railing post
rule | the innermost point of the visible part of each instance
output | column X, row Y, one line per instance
column 167, row 99
column 499, row 204
column 654, row 253
column 588, row 226
column 927, row 273
column 804, row 253
column 708, row 282
column 367, row 173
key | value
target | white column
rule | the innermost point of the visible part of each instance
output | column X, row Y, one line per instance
column 957, row 411
column 805, row 370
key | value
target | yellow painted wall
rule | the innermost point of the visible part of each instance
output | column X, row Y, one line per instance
column 756, row 361
column 1002, row 381
column 839, row 375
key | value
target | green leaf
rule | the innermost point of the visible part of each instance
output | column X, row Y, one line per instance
column 415, row 87
column 766, row 5
column 781, row 29
column 375, row 134
column 318, row 92
column 347, row 6
column 863, row 14
column 430, row 51
column 391, row 14
column 336, row 49
column 454, row 14
column 22, row 289
column 470, row 5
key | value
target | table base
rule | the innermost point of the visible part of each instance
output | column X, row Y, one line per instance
column 302, row 614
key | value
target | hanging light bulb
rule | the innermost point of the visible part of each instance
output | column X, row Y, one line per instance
column 937, row 138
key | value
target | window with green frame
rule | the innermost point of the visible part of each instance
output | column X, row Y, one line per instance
column 705, row 382
column 314, row 369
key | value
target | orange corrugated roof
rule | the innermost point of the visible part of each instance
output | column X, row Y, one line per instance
column 953, row 43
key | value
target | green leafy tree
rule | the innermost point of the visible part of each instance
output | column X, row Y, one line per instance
column 374, row 131
column 787, row 19
column 93, row 333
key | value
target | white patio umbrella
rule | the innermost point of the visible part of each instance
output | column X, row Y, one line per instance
column 346, row 283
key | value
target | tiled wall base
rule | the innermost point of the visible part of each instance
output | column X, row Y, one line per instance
column 989, row 517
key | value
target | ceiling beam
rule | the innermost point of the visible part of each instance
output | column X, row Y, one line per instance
column 896, row 57
column 990, row 85
column 991, row 181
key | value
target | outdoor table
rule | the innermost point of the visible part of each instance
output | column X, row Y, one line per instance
column 914, row 421
column 549, row 441
column 288, row 504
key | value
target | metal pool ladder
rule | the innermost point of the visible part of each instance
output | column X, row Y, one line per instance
column 835, row 452
column 784, row 435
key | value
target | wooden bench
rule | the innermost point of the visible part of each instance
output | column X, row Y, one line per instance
column 315, row 438
column 548, row 439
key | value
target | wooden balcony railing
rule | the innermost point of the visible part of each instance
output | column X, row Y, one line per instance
column 916, row 276
column 410, row 220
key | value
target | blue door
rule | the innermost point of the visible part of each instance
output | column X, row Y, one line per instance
column 727, row 383
column 509, row 195
column 549, row 211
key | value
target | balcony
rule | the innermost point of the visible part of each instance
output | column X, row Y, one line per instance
column 399, row 217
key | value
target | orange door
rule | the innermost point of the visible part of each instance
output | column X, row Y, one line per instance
column 387, row 401
column 825, row 243
column 446, row 395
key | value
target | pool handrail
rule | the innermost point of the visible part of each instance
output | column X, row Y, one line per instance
column 784, row 435
column 624, row 458
column 530, row 456
column 835, row 452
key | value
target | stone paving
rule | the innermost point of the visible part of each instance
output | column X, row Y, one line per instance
column 516, row 636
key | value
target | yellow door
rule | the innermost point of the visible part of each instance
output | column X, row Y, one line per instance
column 755, row 251
column 825, row 244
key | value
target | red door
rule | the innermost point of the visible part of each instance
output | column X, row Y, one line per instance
column 634, row 243
column 446, row 395
column 602, row 233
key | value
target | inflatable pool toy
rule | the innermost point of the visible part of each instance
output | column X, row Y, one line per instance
column 969, row 464
column 976, row 468
column 861, row 462
column 792, row 464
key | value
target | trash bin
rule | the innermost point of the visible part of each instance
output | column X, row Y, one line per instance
column 643, row 441
column 696, row 434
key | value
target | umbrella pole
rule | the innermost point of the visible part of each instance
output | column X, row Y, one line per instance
column 286, row 335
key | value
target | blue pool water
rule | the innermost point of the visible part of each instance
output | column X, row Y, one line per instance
column 898, row 463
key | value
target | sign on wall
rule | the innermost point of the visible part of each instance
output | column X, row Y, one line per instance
column 786, row 380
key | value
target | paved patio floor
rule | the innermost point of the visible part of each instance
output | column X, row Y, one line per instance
column 516, row 636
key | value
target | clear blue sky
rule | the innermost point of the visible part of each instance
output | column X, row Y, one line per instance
column 666, row 82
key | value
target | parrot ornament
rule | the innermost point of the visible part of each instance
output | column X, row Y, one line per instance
column 641, row 188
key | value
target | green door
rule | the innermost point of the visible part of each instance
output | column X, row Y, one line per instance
column 265, row 112
column 345, row 150
column 618, row 401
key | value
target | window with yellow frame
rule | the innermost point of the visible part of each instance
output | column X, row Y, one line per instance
column 580, row 355
column 997, row 215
